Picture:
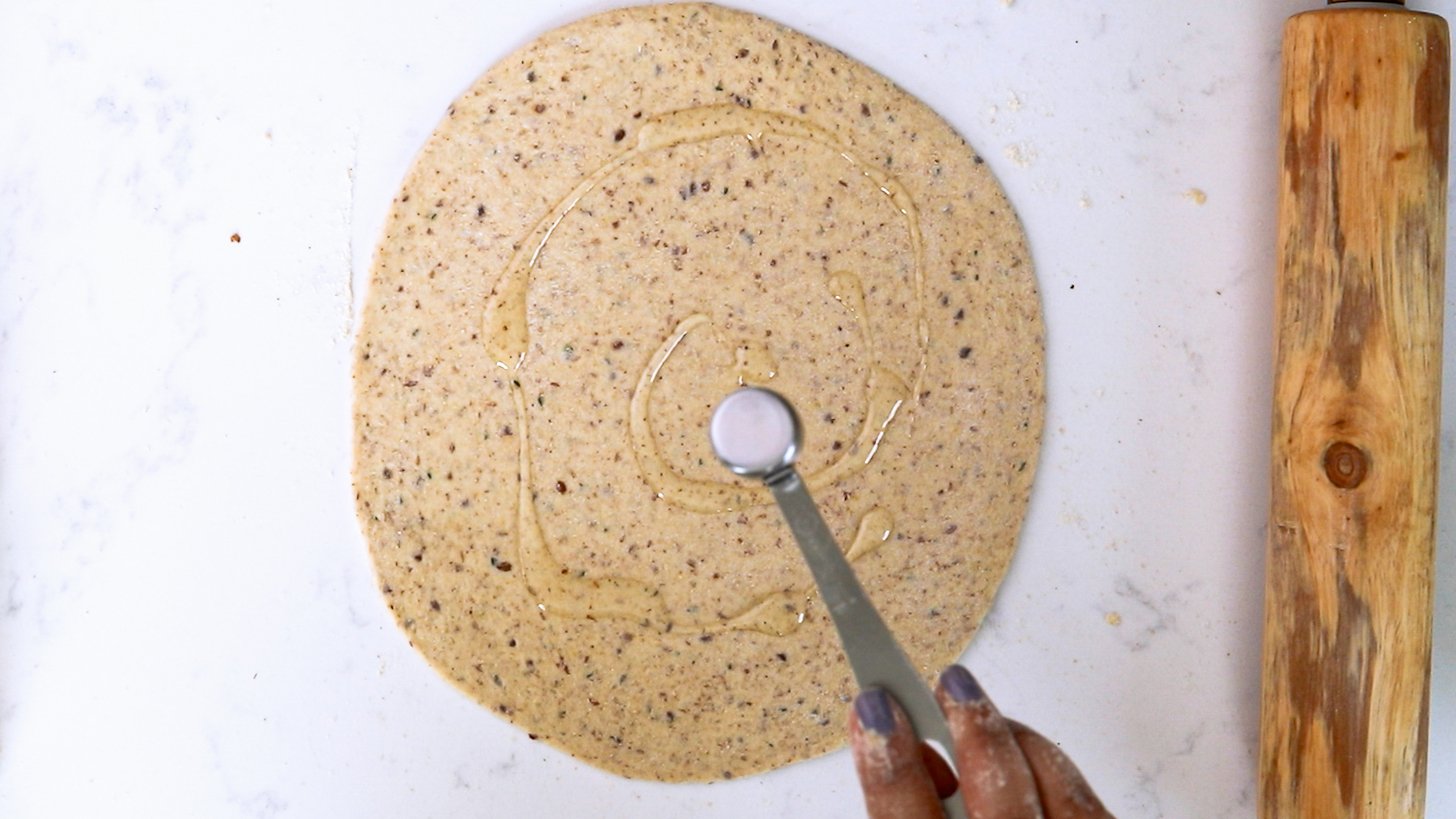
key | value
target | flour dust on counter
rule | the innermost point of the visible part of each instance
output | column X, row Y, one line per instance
column 608, row 232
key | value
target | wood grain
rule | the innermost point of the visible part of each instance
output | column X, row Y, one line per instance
column 1356, row 414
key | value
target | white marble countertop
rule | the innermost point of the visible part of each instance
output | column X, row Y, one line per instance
column 190, row 626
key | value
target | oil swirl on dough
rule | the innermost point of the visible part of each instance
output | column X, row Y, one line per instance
column 562, row 591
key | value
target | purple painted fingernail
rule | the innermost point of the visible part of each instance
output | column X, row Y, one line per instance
column 961, row 686
column 875, row 711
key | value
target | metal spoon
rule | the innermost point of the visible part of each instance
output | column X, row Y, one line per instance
column 757, row 434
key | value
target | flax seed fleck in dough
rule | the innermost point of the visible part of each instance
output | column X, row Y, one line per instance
column 607, row 233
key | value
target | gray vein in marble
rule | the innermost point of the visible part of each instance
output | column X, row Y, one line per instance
column 1148, row 789
column 259, row 804
column 1196, row 362
column 1150, row 618
column 1243, row 804
column 505, row 766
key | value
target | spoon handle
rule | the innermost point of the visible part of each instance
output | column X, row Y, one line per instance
column 874, row 655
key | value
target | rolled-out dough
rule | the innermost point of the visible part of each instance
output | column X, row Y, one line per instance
column 610, row 231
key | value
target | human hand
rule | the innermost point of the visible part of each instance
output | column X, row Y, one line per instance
column 1008, row 771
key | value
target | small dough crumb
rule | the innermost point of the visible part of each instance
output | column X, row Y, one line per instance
column 1196, row 195
column 1014, row 102
column 1021, row 154
column 1113, row 618
column 1085, row 202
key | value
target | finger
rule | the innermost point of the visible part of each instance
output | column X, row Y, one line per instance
column 887, row 755
column 940, row 772
column 996, row 782
column 1064, row 793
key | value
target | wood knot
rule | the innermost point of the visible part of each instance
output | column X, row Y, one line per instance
column 1346, row 465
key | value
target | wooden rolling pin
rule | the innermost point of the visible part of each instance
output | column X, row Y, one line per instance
column 1361, row 255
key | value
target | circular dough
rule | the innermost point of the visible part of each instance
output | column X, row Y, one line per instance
column 609, row 232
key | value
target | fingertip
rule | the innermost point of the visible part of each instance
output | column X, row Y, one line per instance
column 874, row 709
column 994, row 777
column 881, row 735
column 961, row 686
column 961, row 697
column 889, row 758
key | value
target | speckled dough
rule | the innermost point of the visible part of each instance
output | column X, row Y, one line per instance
column 612, row 229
